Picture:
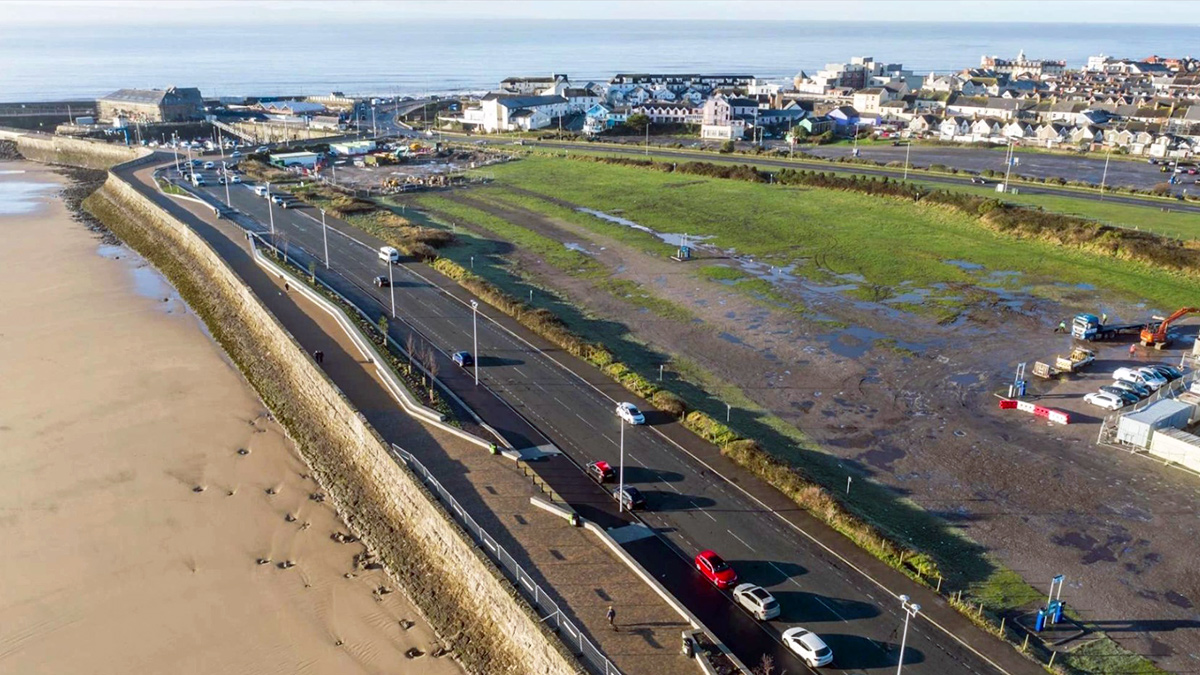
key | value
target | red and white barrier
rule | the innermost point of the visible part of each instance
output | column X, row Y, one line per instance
column 1051, row 414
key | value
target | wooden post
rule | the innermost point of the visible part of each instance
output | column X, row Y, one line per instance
column 1002, row 620
column 939, row 586
column 1025, row 646
column 1052, row 655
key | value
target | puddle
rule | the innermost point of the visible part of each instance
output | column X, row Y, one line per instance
column 964, row 379
column 19, row 197
column 855, row 341
column 728, row 337
column 964, row 265
column 672, row 238
column 147, row 282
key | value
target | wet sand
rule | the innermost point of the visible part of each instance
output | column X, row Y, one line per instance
column 131, row 524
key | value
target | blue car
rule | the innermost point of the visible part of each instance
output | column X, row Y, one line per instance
column 463, row 359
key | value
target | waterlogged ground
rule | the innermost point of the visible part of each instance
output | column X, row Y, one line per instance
column 897, row 383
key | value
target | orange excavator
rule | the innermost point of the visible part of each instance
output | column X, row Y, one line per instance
column 1155, row 333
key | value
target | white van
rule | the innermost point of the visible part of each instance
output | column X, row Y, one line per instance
column 389, row 254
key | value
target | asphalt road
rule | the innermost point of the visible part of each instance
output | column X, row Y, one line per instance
column 769, row 163
column 688, row 506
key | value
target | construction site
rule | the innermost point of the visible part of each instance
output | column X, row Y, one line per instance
column 408, row 165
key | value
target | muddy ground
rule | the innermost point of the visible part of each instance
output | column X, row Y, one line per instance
column 911, row 403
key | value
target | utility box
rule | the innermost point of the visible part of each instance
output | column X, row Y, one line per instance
column 1137, row 429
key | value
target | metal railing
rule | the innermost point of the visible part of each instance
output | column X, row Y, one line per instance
column 570, row 633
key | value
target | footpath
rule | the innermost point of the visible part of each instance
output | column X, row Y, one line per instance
column 584, row 577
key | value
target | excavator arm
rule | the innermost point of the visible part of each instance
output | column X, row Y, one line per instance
column 1156, row 334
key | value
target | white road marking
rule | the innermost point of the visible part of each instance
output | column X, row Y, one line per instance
column 739, row 539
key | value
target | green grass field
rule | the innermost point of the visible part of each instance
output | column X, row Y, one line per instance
column 828, row 233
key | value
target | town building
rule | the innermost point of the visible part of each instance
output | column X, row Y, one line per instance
column 173, row 104
column 534, row 86
column 306, row 160
column 1023, row 66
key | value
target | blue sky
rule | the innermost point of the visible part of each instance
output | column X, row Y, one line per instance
column 300, row 11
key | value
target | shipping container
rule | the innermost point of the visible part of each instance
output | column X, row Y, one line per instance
column 1177, row 446
column 1137, row 428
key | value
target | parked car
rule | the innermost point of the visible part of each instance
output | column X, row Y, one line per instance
column 382, row 282
column 1170, row 372
column 463, row 359
column 631, row 498
column 808, row 646
column 389, row 254
column 1135, row 375
column 715, row 569
column 630, row 413
column 601, row 471
column 1104, row 400
column 1136, row 388
column 757, row 600
column 1127, row 397
column 1153, row 377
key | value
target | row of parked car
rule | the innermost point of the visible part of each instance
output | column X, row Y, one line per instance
column 1131, row 385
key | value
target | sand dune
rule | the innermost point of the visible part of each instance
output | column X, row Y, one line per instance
column 130, row 524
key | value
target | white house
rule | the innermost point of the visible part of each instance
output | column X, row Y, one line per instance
column 954, row 126
column 719, row 119
column 671, row 113
column 511, row 113
column 984, row 128
column 869, row 101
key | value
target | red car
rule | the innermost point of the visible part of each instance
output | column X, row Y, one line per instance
column 715, row 569
column 601, row 471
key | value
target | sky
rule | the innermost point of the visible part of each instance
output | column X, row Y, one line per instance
column 145, row 12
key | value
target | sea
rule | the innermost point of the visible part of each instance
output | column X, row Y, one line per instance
column 395, row 57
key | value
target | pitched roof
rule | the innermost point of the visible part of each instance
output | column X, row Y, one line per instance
column 168, row 96
column 514, row 102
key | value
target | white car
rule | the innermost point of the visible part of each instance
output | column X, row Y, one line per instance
column 1152, row 375
column 389, row 254
column 805, row 644
column 630, row 413
column 260, row 190
column 235, row 179
column 1136, row 375
column 209, row 165
column 757, row 600
column 1104, row 400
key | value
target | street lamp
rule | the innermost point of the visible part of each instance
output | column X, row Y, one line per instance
column 621, row 470
column 325, row 236
column 271, row 211
column 391, row 287
column 910, row 610
column 225, row 173
column 907, row 152
column 475, row 337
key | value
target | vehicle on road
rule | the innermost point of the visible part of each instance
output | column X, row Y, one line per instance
column 210, row 165
column 629, row 413
column 220, row 180
column 630, row 498
column 1136, row 375
column 808, row 646
column 235, row 179
column 1127, row 397
column 601, row 471
column 715, row 569
column 236, row 154
column 195, row 162
column 463, row 359
column 1104, row 400
column 261, row 149
column 260, row 190
column 382, row 282
column 757, row 600
column 1136, row 388
column 197, row 180
column 389, row 254
column 979, row 180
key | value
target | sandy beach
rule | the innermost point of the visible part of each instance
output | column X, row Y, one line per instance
column 141, row 483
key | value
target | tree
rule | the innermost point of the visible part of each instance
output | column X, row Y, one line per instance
column 797, row 134
column 383, row 327
column 410, row 346
column 312, row 270
column 637, row 122
column 727, row 147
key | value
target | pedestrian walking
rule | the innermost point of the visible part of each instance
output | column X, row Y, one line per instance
column 612, row 617
column 1132, row 350
column 319, row 356
column 1062, row 327
column 1103, row 318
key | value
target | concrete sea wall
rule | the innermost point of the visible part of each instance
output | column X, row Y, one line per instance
column 471, row 606
column 51, row 149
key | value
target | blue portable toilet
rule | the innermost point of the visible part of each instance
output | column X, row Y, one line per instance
column 1039, row 623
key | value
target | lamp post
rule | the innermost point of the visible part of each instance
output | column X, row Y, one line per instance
column 907, row 152
column 910, row 610
column 271, row 211
column 475, row 337
column 1009, row 162
column 392, row 287
column 621, row 470
column 175, row 151
column 1104, row 178
column 325, row 237
column 225, row 173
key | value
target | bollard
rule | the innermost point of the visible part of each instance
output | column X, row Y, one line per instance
column 1025, row 646
column 939, row 586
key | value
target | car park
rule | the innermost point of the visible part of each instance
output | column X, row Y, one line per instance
column 1104, row 400
column 630, row 498
column 630, row 413
column 757, row 600
column 463, row 359
column 715, row 569
column 808, row 646
column 382, row 282
column 389, row 254
column 1127, row 397
column 601, row 471
column 1136, row 388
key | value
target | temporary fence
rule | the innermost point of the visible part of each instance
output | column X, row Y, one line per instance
column 567, row 630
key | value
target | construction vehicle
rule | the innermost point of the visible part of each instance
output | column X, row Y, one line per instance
column 1155, row 334
column 1088, row 327
column 1078, row 359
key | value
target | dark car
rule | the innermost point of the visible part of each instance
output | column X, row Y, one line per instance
column 1169, row 372
column 1133, row 387
column 601, row 471
column 463, row 359
column 1128, row 397
column 382, row 282
column 979, row 180
column 630, row 498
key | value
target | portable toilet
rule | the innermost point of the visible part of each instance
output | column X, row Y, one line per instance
column 1137, row 428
